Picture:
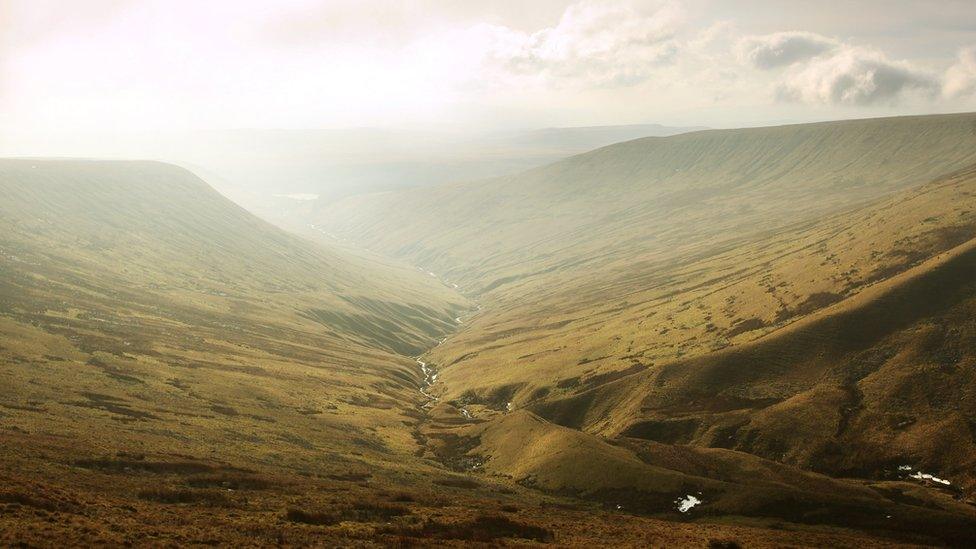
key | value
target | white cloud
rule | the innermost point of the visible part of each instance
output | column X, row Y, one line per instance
column 854, row 76
column 714, row 38
column 150, row 64
column 594, row 44
column 783, row 48
column 823, row 70
column 960, row 79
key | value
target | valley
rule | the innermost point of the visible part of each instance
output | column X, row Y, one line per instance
column 454, row 274
column 790, row 313
column 756, row 337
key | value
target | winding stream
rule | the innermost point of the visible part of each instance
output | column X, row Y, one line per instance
column 430, row 376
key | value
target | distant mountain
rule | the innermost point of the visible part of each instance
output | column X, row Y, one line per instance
column 657, row 197
column 264, row 170
column 582, row 139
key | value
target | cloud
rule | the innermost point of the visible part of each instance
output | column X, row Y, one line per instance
column 960, row 79
column 854, row 76
column 823, row 70
column 783, row 48
column 594, row 44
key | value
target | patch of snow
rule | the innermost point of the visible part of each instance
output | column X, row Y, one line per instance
column 455, row 285
column 298, row 196
column 458, row 320
column 466, row 413
column 508, row 407
column 905, row 468
column 918, row 475
column 687, row 503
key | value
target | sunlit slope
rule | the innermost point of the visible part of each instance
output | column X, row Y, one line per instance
column 674, row 288
column 175, row 372
column 651, row 198
column 139, row 309
column 613, row 260
column 682, row 327
column 655, row 313
column 880, row 385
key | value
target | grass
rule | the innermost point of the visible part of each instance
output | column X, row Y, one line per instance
column 362, row 512
column 189, row 327
column 484, row 528
column 211, row 498
column 641, row 290
column 665, row 248
column 720, row 289
column 178, row 372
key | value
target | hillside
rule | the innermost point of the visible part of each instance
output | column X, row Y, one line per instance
column 176, row 371
column 142, row 298
column 179, row 372
column 800, row 294
column 287, row 176
column 651, row 199
column 871, row 386
column 702, row 305
column 655, row 478
column 628, row 275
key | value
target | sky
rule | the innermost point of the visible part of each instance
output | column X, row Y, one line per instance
column 154, row 65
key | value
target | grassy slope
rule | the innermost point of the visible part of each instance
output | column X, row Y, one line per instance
column 162, row 229
column 679, row 266
column 583, row 261
column 138, row 304
column 880, row 380
column 644, row 198
column 718, row 300
column 177, row 372
column 648, row 477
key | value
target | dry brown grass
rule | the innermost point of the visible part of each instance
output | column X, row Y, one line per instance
column 203, row 379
